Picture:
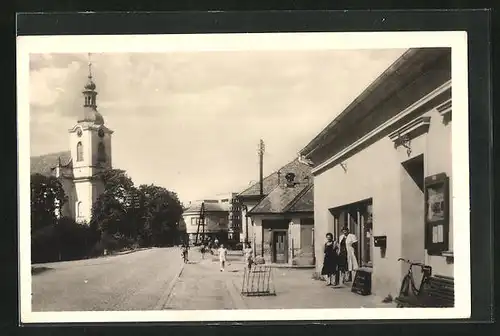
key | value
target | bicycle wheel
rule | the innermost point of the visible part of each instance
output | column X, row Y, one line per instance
column 404, row 290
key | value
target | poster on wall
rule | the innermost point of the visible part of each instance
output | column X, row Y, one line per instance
column 435, row 203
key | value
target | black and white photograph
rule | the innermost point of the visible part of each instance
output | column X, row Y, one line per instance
column 234, row 177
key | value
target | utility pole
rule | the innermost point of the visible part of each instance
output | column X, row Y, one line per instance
column 261, row 151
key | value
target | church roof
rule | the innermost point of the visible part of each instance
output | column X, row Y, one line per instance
column 300, row 169
column 43, row 164
column 286, row 199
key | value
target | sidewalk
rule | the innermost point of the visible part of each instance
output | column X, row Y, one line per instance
column 203, row 286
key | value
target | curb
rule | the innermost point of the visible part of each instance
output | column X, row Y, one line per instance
column 131, row 251
column 167, row 293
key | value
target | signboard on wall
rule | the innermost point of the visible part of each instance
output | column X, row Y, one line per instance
column 437, row 214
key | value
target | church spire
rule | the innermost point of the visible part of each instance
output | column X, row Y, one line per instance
column 89, row 92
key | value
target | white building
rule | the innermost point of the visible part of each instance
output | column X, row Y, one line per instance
column 217, row 217
column 79, row 167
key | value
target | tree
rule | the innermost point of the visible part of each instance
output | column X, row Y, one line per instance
column 109, row 212
column 47, row 200
column 161, row 211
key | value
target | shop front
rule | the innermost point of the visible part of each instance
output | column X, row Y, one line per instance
column 383, row 170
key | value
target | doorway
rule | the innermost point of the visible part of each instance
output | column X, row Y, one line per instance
column 280, row 255
column 413, row 209
column 357, row 217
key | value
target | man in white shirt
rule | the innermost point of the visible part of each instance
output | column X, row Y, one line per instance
column 222, row 257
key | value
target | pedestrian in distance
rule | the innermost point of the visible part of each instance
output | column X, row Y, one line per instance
column 184, row 253
column 222, row 257
column 202, row 250
column 330, row 260
column 248, row 256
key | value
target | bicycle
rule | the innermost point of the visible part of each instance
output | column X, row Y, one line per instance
column 408, row 286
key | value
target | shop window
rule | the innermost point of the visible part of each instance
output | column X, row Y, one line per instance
column 436, row 214
column 358, row 218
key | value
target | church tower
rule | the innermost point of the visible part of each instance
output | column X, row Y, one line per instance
column 90, row 142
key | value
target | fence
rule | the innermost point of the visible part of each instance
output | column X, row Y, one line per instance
column 258, row 281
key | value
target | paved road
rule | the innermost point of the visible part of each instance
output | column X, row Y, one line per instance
column 135, row 281
column 202, row 286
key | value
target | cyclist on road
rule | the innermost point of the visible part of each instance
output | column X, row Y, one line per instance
column 185, row 249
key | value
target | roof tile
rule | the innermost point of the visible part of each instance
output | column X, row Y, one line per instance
column 300, row 169
column 44, row 164
column 281, row 198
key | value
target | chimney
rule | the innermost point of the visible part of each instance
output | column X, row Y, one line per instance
column 279, row 177
column 290, row 180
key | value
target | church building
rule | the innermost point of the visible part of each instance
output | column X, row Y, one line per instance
column 79, row 167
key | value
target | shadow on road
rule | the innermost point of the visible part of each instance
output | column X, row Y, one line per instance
column 37, row 270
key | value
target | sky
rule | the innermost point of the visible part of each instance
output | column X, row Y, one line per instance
column 191, row 121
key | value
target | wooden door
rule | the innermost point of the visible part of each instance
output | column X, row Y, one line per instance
column 280, row 247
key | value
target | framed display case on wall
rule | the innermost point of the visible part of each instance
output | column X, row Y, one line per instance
column 437, row 214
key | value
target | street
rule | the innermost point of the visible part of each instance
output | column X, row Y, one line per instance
column 135, row 281
column 156, row 279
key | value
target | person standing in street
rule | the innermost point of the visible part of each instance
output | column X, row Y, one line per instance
column 202, row 250
column 348, row 264
column 330, row 251
column 184, row 250
column 222, row 257
column 248, row 256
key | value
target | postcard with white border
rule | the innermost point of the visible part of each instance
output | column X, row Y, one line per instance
column 243, row 177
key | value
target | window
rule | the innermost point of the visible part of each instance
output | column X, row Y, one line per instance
column 358, row 218
column 101, row 152
column 79, row 152
column 79, row 209
column 194, row 221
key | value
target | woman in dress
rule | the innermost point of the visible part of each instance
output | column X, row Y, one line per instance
column 330, row 260
column 348, row 263
column 248, row 252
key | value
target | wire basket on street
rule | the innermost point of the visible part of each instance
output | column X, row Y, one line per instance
column 258, row 281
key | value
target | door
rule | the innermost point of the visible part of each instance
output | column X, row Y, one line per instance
column 280, row 248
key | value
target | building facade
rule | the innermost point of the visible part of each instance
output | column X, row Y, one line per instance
column 279, row 224
column 217, row 218
column 251, row 196
column 90, row 154
column 383, row 169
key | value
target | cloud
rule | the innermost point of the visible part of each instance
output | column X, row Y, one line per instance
column 191, row 121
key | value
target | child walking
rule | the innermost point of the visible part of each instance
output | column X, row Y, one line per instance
column 222, row 257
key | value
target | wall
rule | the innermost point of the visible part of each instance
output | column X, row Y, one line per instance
column 83, row 191
column 250, row 205
column 212, row 220
column 376, row 172
column 371, row 173
column 439, row 161
column 294, row 243
column 257, row 235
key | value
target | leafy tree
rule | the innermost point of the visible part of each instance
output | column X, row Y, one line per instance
column 161, row 212
column 47, row 199
column 109, row 212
